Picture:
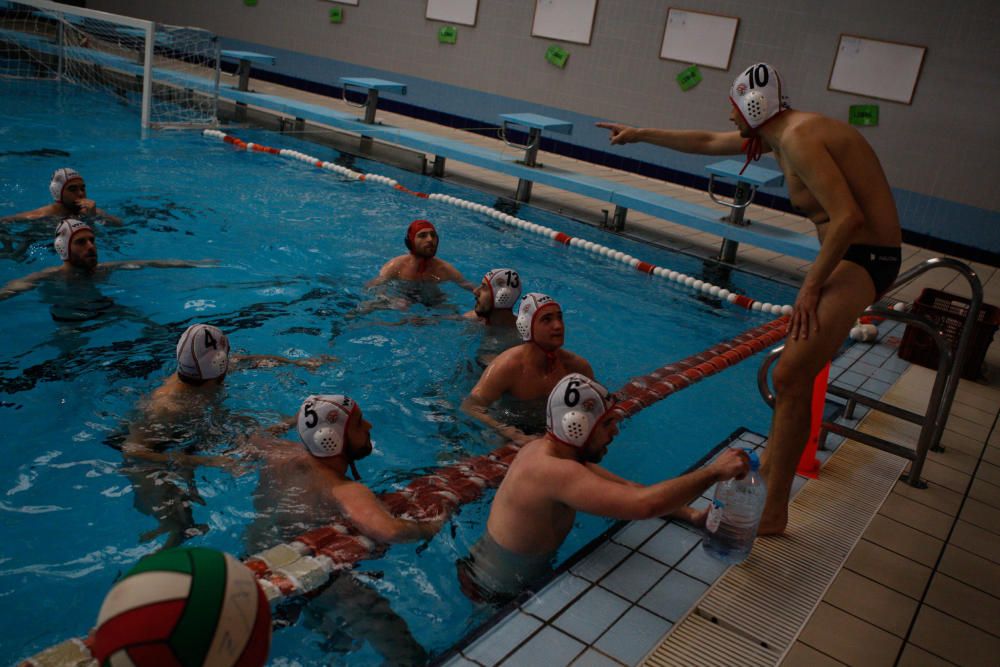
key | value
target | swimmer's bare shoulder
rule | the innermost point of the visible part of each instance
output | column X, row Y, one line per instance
column 574, row 363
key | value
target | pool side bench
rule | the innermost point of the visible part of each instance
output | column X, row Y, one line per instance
column 697, row 217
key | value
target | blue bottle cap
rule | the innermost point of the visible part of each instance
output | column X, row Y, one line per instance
column 754, row 460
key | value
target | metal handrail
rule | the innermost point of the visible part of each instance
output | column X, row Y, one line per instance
column 722, row 202
column 950, row 366
column 502, row 133
column 343, row 96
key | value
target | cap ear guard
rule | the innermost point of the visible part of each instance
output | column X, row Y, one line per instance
column 575, row 406
column 203, row 352
column 322, row 424
column 64, row 235
column 530, row 305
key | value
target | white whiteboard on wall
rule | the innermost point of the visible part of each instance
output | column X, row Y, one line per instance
column 345, row 2
column 565, row 20
column 887, row 70
column 698, row 38
column 462, row 12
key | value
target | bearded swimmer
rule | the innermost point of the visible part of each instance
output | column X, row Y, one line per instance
column 420, row 264
column 69, row 195
column 555, row 476
column 528, row 372
column 835, row 179
column 76, row 246
column 496, row 297
column 305, row 485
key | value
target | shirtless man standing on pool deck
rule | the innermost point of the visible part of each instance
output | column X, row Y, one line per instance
column 529, row 371
column 835, row 179
column 555, row 476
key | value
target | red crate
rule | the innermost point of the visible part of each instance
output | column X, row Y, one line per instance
column 949, row 312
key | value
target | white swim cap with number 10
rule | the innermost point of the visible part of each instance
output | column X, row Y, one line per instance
column 575, row 407
column 756, row 94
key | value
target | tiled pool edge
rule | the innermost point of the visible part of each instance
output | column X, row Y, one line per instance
column 644, row 577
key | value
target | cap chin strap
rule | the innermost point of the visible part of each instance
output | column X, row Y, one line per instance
column 354, row 472
column 550, row 357
column 754, row 148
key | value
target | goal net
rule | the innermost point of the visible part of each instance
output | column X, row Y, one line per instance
column 170, row 73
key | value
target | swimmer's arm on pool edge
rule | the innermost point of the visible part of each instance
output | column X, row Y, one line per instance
column 596, row 494
column 370, row 517
column 702, row 142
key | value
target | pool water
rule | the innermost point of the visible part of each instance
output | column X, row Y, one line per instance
column 294, row 246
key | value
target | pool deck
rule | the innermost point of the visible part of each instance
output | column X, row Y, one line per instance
column 919, row 586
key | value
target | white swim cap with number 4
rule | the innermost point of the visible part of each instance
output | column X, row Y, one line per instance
column 531, row 305
column 203, row 352
column 575, row 407
column 323, row 423
column 505, row 286
column 756, row 94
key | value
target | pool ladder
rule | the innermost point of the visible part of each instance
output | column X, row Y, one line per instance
column 949, row 372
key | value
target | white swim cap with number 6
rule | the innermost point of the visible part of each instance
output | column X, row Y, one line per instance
column 756, row 94
column 323, row 423
column 203, row 352
column 505, row 286
column 575, row 407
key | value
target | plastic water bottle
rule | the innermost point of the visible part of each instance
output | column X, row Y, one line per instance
column 733, row 518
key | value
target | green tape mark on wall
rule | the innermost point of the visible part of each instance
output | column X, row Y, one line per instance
column 557, row 55
column 689, row 78
column 863, row 114
column 250, row 3
column 448, row 34
column 336, row 15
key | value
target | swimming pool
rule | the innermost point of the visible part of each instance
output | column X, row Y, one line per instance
column 295, row 246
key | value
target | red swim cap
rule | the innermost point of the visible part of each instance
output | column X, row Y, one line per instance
column 415, row 228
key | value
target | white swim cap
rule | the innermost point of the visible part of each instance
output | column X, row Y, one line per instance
column 203, row 352
column 531, row 305
column 60, row 177
column 756, row 93
column 323, row 423
column 65, row 232
column 505, row 286
column 575, row 406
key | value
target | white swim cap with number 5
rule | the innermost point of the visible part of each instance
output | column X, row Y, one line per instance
column 203, row 352
column 323, row 423
column 575, row 407
column 756, row 94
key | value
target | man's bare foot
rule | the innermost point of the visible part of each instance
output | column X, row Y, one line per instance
column 774, row 522
column 690, row 515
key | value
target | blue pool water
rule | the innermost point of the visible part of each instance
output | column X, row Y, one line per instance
column 295, row 246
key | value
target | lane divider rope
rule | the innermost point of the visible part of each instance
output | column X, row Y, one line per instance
column 684, row 280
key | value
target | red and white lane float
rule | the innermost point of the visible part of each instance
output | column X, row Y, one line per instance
column 681, row 279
